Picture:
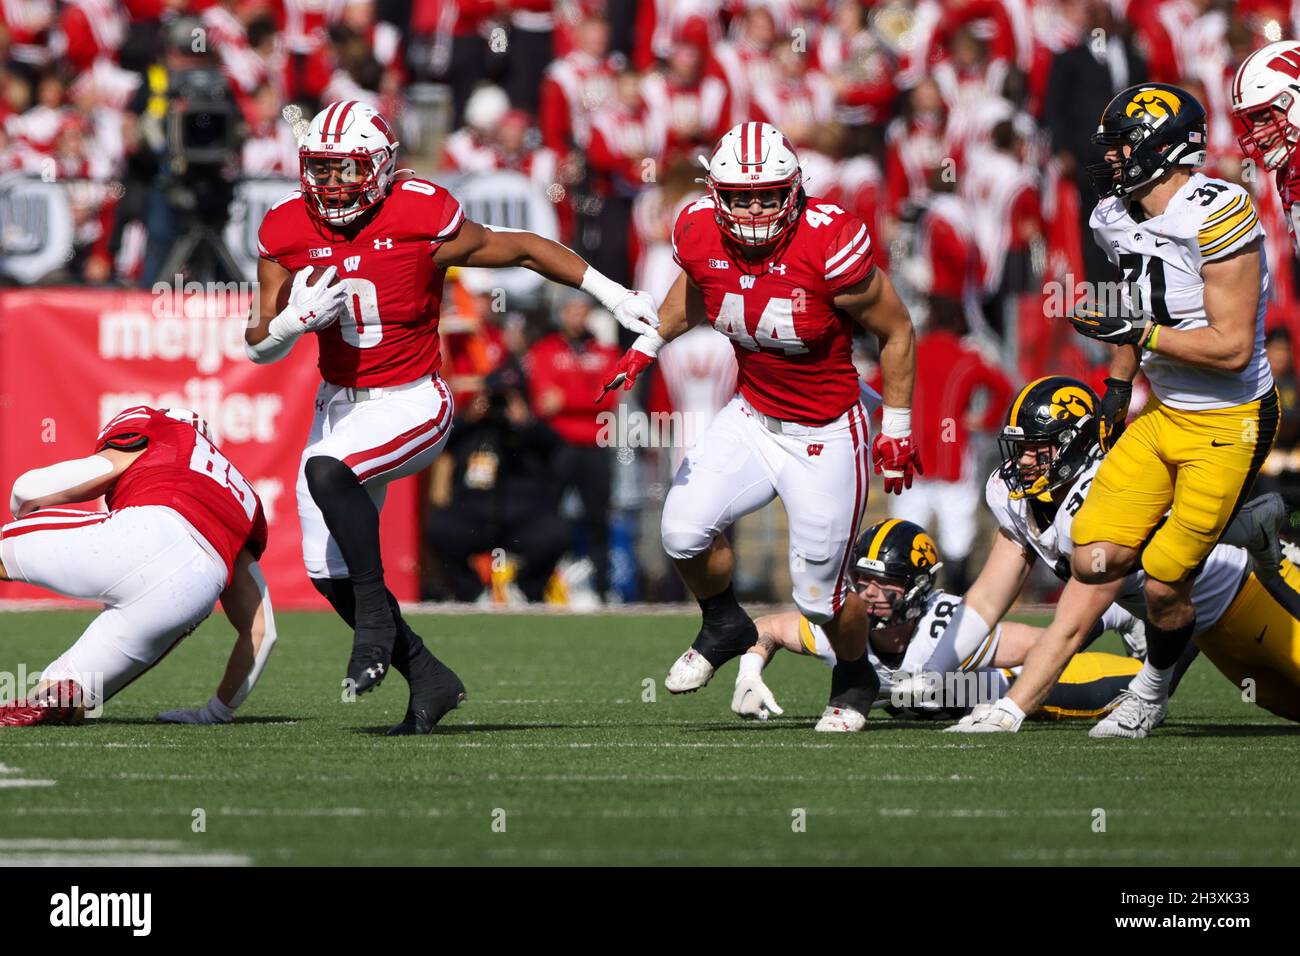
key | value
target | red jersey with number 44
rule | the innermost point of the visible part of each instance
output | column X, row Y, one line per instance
column 793, row 346
column 389, row 333
column 180, row 469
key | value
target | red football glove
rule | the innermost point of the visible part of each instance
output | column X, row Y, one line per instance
column 634, row 361
column 896, row 459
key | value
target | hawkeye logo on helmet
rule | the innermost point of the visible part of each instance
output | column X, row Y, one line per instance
column 1070, row 401
column 924, row 553
column 1159, row 104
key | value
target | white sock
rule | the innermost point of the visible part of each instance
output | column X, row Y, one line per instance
column 1152, row 683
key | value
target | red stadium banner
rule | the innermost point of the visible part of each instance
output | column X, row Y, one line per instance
column 72, row 358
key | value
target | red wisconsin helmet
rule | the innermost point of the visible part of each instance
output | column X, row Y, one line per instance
column 347, row 161
column 754, row 156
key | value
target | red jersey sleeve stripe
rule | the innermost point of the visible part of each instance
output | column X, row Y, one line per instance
column 847, row 248
column 847, row 263
column 455, row 223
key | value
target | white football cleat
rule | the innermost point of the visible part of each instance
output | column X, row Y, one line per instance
column 689, row 673
column 986, row 719
column 1132, row 717
column 841, row 720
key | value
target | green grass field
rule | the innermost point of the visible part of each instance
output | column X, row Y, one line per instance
column 557, row 735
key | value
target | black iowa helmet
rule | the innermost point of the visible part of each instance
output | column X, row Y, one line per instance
column 1060, row 412
column 1164, row 126
column 898, row 552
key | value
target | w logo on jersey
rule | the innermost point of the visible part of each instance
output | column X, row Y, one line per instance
column 351, row 263
column 747, row 282
column 815, row 449
column 383, row 244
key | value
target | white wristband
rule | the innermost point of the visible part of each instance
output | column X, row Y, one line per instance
column 751, row 665
column 220, row 710
column 1012, row 708
column 281, row 333
column 650, row 343
column 607, row 292
column 895, row 422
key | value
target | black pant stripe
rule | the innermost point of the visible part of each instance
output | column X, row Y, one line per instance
column 1266, row 433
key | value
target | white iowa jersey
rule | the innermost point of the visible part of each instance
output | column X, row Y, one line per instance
column 930, row 627
column 1160, row 263
column 1215, row 586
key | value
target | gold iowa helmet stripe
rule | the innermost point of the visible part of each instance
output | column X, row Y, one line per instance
column 1020, row 399
column 873, row 552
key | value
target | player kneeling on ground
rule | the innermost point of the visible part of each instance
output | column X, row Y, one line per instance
column 1052, row 449
column 184, row 528
column 895, row 565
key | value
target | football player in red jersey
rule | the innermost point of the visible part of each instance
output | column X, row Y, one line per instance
column 382, row 411
column 183, row 529
column 1266, row 104
column 786, row 277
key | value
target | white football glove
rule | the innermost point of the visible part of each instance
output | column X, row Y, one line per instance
column 1002, row 717
column 213, row 712
column 753, row 698
column 319, row 306
column 913, row 692
column 637, row 313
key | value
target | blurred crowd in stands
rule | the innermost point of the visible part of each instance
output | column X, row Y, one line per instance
column 957, row 129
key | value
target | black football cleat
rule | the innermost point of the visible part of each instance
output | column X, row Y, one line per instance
column 435, row 692
column 713, row 647
column 367, row 667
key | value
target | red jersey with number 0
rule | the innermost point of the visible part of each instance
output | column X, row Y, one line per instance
column 389, row 332
column 793, row 346
column 182, row 470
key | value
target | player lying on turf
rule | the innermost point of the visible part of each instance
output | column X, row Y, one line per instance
column 788, row 278
column 382, row 412
column 1051, row 450
column 895, row 565
column 183, row 529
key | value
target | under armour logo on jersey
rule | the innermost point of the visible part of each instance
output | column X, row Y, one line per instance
column 383, row 244
column 815, row 449
column 320, row 404
column 773, row 267
column 322, row 253
column 747, row 282
column 351, row 263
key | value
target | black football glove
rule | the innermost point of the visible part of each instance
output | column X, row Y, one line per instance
column 1113, row 330
column 1113, row 414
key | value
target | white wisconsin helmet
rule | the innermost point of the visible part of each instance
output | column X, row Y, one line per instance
column 1266, row 103
column 191, row 418
column 754, row 156
column 347, row 161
